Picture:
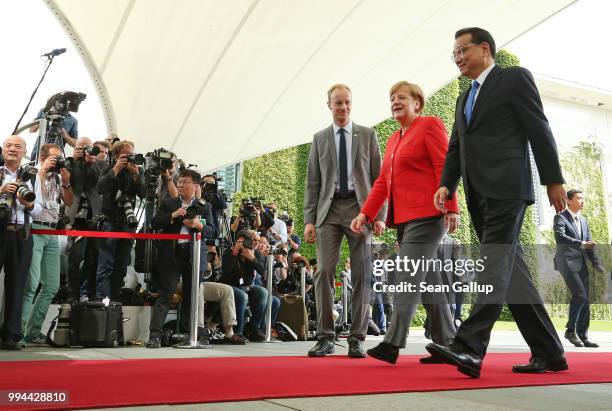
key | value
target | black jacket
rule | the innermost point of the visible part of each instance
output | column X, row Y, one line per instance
column 236, row 268
column 84, row 180
column 163, row 221
column 109, row 185
column 491, row 154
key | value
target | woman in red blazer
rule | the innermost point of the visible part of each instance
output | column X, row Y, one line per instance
column 409, row 178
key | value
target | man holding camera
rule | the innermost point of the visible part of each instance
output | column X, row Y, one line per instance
column 240, row 266
column 52, row 188
column 85, row 170
column 177, row 215
column 210, row 193
column 15, row 239
column 119, row 187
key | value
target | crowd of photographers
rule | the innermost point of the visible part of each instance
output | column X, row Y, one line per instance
column 105, row 186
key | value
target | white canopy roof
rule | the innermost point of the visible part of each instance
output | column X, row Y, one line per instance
column 222, row 81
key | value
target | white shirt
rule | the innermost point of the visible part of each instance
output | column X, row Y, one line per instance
column 281, row 227
column 348, row 137
column 577, row 224
column 49, row 209
column 480, row 79
column 9, row 177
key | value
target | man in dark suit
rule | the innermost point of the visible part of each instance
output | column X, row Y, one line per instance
column 343, row 164
column 174, row 256
column 495, row 123
column 574, row 246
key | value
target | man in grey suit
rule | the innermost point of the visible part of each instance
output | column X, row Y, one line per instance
column 574, row 246
column 344, row 161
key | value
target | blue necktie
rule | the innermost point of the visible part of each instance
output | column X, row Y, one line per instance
column 469, row 105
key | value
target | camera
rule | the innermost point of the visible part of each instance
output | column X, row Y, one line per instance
column 137, row 159
column 158, row 161
column 24, row 191
column 61, row 162
column 194, row 210
column 247, row 243
column 124, row 202
column 92, row 151
column 63, row 102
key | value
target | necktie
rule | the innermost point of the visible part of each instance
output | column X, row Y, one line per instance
column 578, row 228
column 342, row 163
column 469, row 105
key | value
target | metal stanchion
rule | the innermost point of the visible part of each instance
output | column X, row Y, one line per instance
column 303, row 284
column 269, row 281
column 344, row 300
column 193, row 342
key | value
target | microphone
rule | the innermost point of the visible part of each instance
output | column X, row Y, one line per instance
column 54, row 53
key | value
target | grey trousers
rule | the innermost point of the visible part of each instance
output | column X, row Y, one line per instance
column 420, row 241
column 337, row 224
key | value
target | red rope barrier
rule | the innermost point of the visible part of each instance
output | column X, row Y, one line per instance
column 114, row 234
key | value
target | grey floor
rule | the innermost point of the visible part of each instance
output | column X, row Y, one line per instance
column 566, row 397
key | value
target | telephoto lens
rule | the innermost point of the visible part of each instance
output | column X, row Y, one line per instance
column 24, row 191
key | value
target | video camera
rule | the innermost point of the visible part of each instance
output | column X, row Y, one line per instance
column 158, row 161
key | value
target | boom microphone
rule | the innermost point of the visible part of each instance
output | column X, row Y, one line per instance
column 54, row 53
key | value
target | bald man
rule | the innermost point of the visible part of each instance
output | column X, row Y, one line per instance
column 85, row 171
column 15, row 240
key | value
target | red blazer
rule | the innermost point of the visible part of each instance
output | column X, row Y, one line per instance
column 410, row 174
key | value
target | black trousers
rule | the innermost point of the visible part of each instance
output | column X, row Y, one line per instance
column 579, row 308
column 168, row 281
column 498, row 224
column 84, row 251
column 15, row 258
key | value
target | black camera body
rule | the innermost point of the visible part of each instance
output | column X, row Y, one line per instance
column 194, row 210
column 137, row 159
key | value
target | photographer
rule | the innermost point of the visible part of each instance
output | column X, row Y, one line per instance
column 178, row 215
column 277, row 233
column 62, row 127
column 293, row 240
column 210, row 193
column 240, row 265
column 15, row 240
column 84, row 214
column 119, row 187
column 52, row 187
column 249, row 216
column 167, row 182
column 291, row 284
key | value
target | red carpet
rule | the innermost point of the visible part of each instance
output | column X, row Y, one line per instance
column 107, row 383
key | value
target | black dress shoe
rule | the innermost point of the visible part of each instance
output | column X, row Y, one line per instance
column 573, row 338
column 154, row 342
column 433, row 359
column 385, row 352
column 10, row 345
column 323, row 347
column 589, row 344
column 537, row 365
column 467, row 364
column 356, row 348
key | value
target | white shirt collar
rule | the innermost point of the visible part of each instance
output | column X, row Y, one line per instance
column 574, row 215
column 483, row 76
column 348, row 128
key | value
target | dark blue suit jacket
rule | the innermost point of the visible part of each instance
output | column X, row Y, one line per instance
column 570, row 254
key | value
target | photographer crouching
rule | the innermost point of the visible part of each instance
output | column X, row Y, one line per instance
column 177, row 215
column 119, row 187
column 85, row 169
column 16, row 204
column 52, row 187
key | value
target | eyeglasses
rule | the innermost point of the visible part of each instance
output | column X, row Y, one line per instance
column 459, row 50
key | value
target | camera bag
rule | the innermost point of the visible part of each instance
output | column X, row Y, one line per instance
column 95, row 324
column 293, row 313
